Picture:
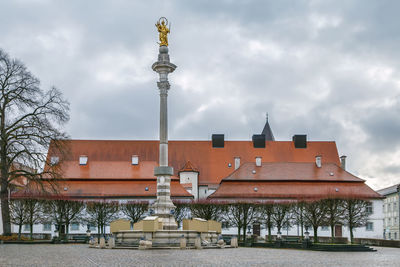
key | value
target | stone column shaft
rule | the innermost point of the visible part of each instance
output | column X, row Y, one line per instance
column 163, row 206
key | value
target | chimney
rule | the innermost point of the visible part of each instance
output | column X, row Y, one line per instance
column 258, row 161
column 343, row 162
column 237, row 163
column 318, row 161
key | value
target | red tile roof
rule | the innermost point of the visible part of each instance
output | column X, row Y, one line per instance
column 291, row 171
column 108, row 189
column 188, row 167
column 283, row 180
column 292, row 190
column 109, row 159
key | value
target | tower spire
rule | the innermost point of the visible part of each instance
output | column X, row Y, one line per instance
column 269, row 136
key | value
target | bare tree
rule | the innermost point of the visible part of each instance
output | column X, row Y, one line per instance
column 29, row 119
column 334, row 214
column 315, row 214
column 355, row 214
column 242, row 214
column 207, row 210
column 181, row 211
column 33, row 208
column 279, row 216
column 134, row 210
column 73, row 212
column 101, row 214
column 267, row 211
column 298, row 216
column 18, row 214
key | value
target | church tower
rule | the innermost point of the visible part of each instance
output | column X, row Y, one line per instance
column 269, row 136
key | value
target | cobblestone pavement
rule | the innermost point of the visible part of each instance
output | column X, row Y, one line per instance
column 81, row 255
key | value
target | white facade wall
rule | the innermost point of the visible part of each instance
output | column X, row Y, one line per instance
column 39, row 229
column 391, row 216
column 1, row 221
column 361, row 232
column 204, row 191
column 191, row 178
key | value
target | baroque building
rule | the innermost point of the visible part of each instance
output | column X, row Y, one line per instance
column 391, row 212
column 260, row 169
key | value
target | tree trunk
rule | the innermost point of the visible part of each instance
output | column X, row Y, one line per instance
column 302, row 231
column 315, row 234
column 5, row 208
column 31, row 231
column 19, row 231
column 351, row 235
column 269, row 233
column 244, row 234
column 333, row 233
column 238, row 229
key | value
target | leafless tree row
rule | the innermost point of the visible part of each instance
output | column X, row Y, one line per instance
column 307, row 214
column 59, row 212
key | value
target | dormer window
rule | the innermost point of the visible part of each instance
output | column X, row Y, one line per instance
column 135, row 160
column 83, row 160
column 54, row 160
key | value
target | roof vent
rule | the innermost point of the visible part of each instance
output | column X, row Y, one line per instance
column 237, row 163
column 255, row 189
column 146, row 189
column 218, row 140
column 229, row 165
column 337, row 189
column 54, row 160
column 343, row 162
column 254, row 171
column 331, row 173
column 135, row 160
column 83, row 160
column 318, row 161
column 300, row 140
column 65, row 188
column 258, row 140
column 258, row 161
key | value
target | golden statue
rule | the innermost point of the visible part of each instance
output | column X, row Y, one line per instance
column 163, row 30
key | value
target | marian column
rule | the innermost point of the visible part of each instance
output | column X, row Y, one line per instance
column 163, row 207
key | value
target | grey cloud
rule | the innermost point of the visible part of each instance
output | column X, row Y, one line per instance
column 318, row 67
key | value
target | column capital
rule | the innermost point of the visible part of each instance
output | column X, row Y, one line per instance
column 164, row 87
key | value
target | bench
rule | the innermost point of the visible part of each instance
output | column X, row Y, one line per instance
column 292, row 239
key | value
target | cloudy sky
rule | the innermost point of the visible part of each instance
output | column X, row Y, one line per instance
column 329, row 69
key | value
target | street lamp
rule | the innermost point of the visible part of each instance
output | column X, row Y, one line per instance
column 88, row 233
column 306, row 234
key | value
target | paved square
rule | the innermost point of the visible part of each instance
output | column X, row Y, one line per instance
column 81, row 255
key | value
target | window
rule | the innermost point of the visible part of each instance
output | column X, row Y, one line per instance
column 395, row 235
column 46, row 226
column 135, row 160
column 389, row 221
column 369, row 208
column 389, row 208
column 27, row 227
column 93, row 228
column 54, row 160
column 83, row 160
column 369, row 226
column 324, row 228
column 389, row 236
column 74, row 226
